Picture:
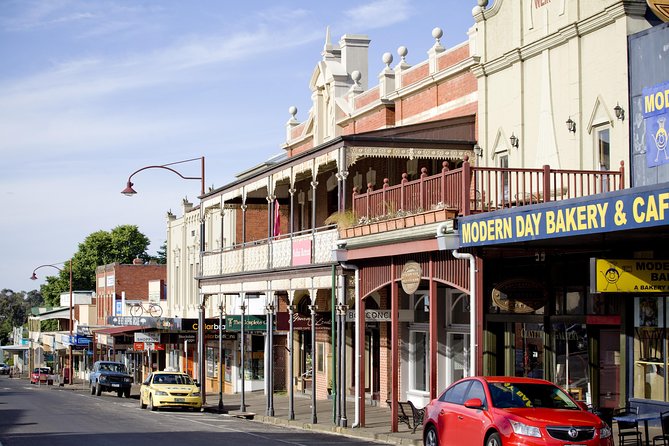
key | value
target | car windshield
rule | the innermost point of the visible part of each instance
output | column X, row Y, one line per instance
column 522, row 395
column 172, row 378
column 111, row 367
column 41, row 370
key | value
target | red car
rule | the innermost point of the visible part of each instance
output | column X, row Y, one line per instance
column 510, row 411
column 41, row 375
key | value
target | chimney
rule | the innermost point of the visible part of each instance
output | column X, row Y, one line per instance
column 354, row 55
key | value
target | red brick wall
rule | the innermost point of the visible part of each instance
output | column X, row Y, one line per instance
column 415, row 74
column 131, row 279
column 452, row 57
column 308, row 144
column 256, row 223
column 367, row 97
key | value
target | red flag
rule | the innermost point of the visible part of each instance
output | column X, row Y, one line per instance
column 277, row 219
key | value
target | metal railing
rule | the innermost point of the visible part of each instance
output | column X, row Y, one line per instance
column 471, row 189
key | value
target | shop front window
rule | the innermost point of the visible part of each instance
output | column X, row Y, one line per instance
column 529, row 350
column 571, row 367
column 420, row 360
column 650, row 344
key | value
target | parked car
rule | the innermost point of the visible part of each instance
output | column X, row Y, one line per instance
column 110, row 376
column 170, row 389
column 4, row 369
column 41, row 375
column 495, row 411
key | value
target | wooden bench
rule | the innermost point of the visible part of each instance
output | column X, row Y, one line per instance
column 409, row 414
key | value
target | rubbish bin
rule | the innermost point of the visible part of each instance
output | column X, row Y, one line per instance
column 66, row 375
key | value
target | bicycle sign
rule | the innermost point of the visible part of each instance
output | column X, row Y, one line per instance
column 153, row 310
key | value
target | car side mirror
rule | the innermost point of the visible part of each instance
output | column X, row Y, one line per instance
column 197, row 384
column 474, row 403
column 582, row 405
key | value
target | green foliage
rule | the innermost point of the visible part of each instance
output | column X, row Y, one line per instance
column 121, row 245
column 14, row 311
column 161, row 252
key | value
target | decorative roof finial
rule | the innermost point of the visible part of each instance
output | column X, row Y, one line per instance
column 327, row 47
column 387, row 59
column 403, row 51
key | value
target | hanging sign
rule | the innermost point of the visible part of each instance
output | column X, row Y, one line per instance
column 410, row 278
column 629, row 275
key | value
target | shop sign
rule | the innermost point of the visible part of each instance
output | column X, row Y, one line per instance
column 138, row 346
column 410, row 278
column 142, row 321
column 251, row 323
column 655, row 116
column 635, row 208
column 77, row 340
column 519, row 296
column 302, row 322
column 210, row 324
column 153, row 336
column 629, row 275
column 371, row 315
column 301, row 252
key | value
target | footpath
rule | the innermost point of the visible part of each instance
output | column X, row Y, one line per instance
column 376, row 427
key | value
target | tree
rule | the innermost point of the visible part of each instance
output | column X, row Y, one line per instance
column 161, row 252
column 14, row 310
column 121, row 245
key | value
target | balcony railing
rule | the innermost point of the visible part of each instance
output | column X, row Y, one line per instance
column 273, row 253
column 471, row 189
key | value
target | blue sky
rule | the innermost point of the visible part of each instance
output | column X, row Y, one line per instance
column 91, row 91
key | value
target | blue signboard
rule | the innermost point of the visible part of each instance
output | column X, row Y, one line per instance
column 656, row 114
column 635, row 208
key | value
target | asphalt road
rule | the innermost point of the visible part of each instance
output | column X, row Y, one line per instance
column 33, row 415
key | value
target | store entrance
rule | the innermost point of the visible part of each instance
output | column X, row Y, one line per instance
column 609, row 367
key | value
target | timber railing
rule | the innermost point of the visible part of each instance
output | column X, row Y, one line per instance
column 470, row 189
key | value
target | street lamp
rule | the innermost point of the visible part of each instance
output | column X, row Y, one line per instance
column 221, row 309
column 242, row 309
column 129, row 191
column 34, row 277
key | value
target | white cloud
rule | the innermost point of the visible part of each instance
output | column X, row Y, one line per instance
column 377, row 14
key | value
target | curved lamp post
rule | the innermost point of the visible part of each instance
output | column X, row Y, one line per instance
column 34, row 277
column 129, row 191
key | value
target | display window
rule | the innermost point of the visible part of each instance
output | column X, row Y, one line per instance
column 650, row 346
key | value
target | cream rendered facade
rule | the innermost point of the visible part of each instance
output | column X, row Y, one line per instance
column 546, row 62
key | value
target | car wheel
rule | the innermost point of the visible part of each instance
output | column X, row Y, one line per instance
column 92, row 389
column 493, row 440
column 151, row 406
column 430, row 437
column 98, row 390
column 119, row 393
column 126, row 392
column 141, row 403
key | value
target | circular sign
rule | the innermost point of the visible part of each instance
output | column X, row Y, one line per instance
column 411, row 275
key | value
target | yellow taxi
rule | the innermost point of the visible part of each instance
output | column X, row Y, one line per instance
column 170, row 389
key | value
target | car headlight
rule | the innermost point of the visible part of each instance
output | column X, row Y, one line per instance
column 523, row 429
column 195, row 393
column 103, row 378
column 605, row 432
column 160, row 392
column 128, row 380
